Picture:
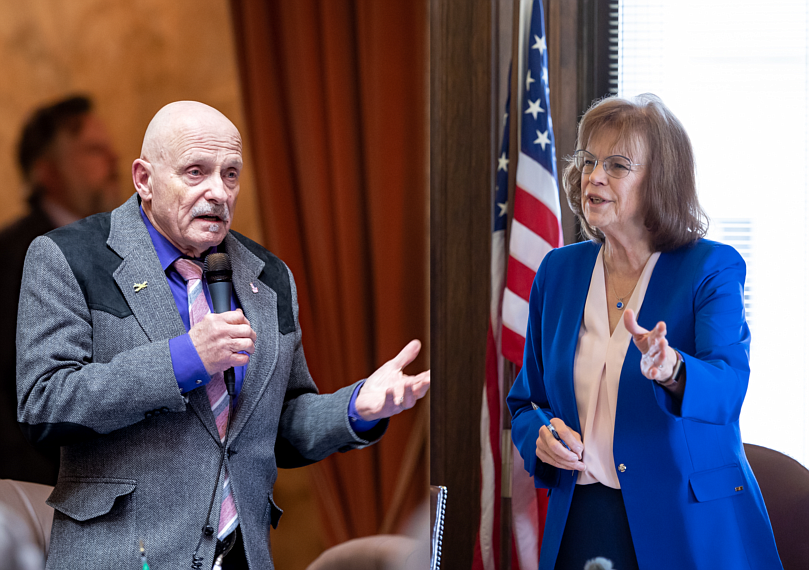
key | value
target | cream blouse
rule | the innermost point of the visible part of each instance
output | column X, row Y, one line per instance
column 597, row 373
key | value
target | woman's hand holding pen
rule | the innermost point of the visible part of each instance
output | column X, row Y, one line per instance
column 552, row 452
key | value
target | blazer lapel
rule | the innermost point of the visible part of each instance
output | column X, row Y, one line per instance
column 152, row 304
column 140, row 276
column 258, row 302
column 636, row 393
column 570, row 307
column 663, row 276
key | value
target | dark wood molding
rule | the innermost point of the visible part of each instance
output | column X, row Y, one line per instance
column 562, row 30
column 462, row 151
column 593, row 50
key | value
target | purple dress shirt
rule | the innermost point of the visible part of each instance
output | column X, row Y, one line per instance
column 188, row 367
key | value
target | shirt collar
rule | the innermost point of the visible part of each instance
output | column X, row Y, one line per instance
column 167, row 252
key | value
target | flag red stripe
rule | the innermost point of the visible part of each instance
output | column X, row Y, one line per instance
column 513, row 345
column 492, row 395
column 477, row 557
column 537, row 217
column 520, row 278
column 493, row 398
column 542, row 512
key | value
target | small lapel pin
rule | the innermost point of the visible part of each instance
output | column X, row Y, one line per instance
column 139, row 286
column 253, row 288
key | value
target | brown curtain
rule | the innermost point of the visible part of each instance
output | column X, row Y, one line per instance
column 335, row 99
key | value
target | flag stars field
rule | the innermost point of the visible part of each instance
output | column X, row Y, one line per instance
column 540, row 44
column 502, row 162
column 542, row 139
column 534, row 108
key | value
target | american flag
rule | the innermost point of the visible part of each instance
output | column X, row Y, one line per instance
column 487, row 545
column 535, row 229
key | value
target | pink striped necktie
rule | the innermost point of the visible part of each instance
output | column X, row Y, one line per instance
column 198, row 307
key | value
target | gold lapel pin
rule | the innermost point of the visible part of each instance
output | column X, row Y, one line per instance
column 140, row 286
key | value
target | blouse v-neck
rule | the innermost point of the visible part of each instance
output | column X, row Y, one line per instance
column 597, row 372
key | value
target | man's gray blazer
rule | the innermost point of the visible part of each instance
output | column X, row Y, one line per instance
column 139, row 459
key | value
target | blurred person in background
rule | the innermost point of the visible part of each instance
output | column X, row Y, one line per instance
column 70, row 169
column 17, row 549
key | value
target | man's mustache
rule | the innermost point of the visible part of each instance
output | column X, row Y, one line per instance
column 221, row 211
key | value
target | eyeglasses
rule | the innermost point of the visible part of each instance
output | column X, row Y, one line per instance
column 616, row 165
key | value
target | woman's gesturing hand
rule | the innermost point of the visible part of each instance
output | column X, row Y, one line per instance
column 554, row 453
column 658, row 357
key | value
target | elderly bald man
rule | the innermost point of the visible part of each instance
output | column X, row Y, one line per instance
column 121, row 363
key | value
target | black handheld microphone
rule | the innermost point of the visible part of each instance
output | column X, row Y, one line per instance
column 219, row 275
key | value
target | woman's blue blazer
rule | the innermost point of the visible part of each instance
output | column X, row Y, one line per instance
column 690, row 496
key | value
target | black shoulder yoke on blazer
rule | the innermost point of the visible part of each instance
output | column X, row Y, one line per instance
column 84, row 245
column 275, row 276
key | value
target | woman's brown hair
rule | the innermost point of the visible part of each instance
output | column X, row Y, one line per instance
column 647, row 129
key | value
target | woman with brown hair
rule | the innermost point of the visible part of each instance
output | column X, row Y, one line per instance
column 648, row 468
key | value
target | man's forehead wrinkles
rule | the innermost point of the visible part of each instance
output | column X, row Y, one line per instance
column 206, row 147
column 197, row 153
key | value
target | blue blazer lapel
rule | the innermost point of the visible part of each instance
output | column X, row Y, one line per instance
column 636, row 394
column 653, row 309
column 565, row 306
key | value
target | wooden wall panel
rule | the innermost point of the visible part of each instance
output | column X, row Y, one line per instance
column 461, row 154
column 562, row 29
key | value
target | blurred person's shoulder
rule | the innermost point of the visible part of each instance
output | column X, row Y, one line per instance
column 21, row 232
column 17, row 549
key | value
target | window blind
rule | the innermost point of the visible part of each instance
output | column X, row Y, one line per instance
column 736, row 73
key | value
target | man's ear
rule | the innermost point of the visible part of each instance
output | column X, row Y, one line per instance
column 142, row 172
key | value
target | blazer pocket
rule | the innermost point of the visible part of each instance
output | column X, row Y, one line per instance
column 93, row 511
column 85, row 499
column 273, row 512
column 718, row 483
